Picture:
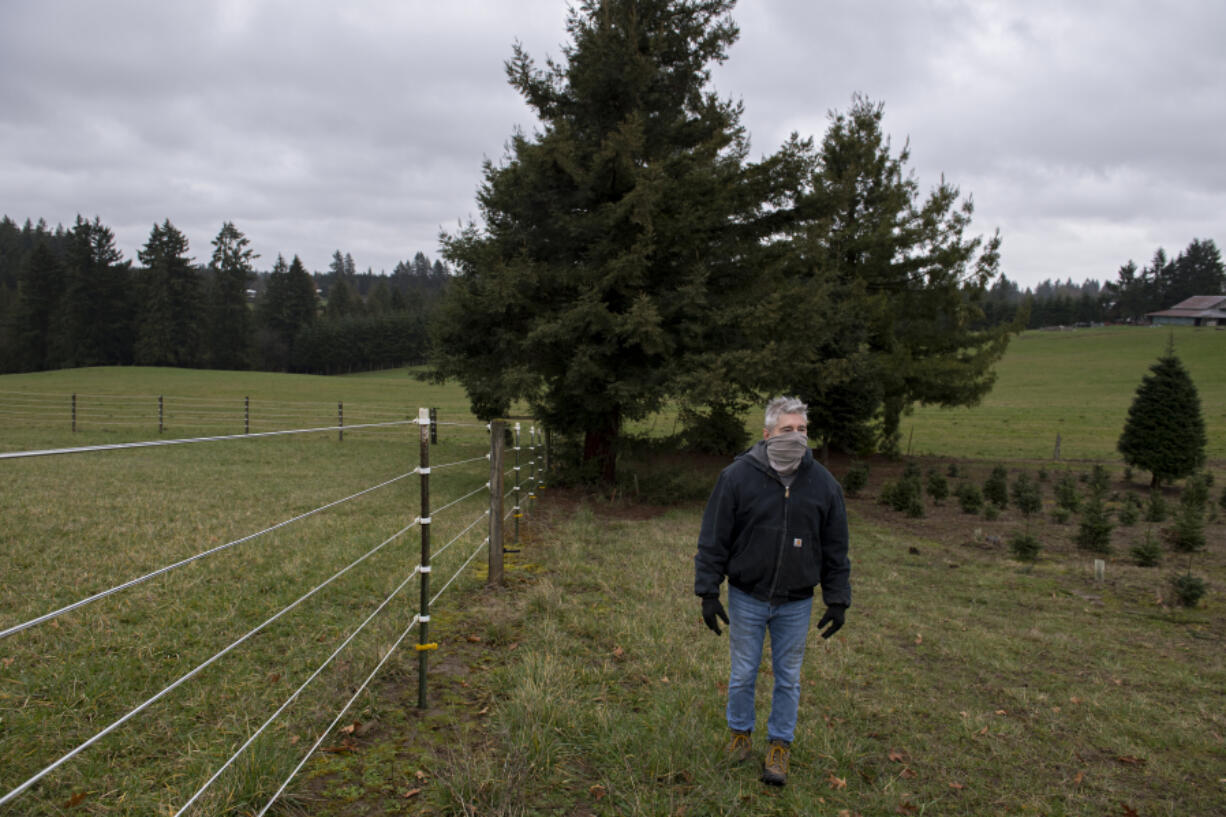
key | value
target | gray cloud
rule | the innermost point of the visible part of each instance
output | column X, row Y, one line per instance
column 1088, row 133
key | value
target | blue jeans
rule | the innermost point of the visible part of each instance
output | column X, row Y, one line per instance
column 789, row 627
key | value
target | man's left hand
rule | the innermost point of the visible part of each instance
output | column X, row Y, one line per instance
column 834, row 617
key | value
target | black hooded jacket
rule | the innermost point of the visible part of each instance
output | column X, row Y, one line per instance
column 772, row 541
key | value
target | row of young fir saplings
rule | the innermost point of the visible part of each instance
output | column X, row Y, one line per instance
column 1186, row 535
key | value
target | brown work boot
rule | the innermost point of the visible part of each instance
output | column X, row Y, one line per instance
column 775, row 767
column 740, row 748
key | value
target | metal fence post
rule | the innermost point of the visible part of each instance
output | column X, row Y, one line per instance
column 517, row 512
column 532, row 463
column 423, row 630
column 74, row 412
column 340, row 422
column 497, row 446
column 434, row 426
column 160, row 415
column 545, row 469
column 246, row 415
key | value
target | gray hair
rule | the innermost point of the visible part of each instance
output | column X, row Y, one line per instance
column 784, row 405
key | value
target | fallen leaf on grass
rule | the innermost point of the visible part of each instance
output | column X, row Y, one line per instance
column 8, row 662
column 1130, row 760
column 273, row 677
column 1128, row 810
column 664, row 679
column 351, row 728
column 474, row 639
column 956, row 786
column 484, row 711
column 908, row 773
column 919, row 639
column 513, row 646
column 1077, row 778
column 897, row 756
column 420, row 775
column 293, row 740
column 1076, row 700
column 982, row 731
column 75, row 800
column 906, row 807
column 1001, row 712
column 618, row 652
column 598, row 791
column 346, row 745
column 411, row 793
column 836, row 783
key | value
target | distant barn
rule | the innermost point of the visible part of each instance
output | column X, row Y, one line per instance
column 1199, row 310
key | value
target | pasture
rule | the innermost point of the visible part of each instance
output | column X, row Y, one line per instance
column 964, row 684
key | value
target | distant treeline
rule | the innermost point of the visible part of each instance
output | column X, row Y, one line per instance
column 68, row 298
column 1198, row 270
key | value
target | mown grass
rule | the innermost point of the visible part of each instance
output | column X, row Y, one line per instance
column 74, row 525
column 1078, row 384
column 963, row 684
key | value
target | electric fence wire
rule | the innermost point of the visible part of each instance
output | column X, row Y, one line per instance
column 362, row 688
column 192, row 673
column 154, row 443
column 251, row 739
column 141, row 579
column 460, row 462
column 484, row 487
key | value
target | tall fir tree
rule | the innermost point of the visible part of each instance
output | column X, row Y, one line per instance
column 230, row 323
column 1164, row 432
column 170, row 326
column 98, row 299
column 901, row 281
column 37, row 318
column 612, row 235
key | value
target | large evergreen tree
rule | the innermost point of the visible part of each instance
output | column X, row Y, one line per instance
column 610, row 235
column 98, row 298
column 36, row 317
column 229, row 316
column 902, row 285
column 1165, row 432
column 170, row 327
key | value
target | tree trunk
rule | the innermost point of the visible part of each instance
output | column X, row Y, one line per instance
column 600, row 444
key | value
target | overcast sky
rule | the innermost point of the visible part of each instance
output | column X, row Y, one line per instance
column 1089, row 133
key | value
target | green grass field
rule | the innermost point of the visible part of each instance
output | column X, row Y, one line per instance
column 591, row 686
column 1077, row 384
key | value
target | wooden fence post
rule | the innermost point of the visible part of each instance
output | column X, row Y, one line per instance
column 497, row 446
column 247, row 415
column 340, row 422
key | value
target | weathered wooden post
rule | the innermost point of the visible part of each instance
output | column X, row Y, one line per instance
column 1055, row 454
column 247, row 415
column 340, row 422
column 159, row 414
column 497, row 446
column 74, row 412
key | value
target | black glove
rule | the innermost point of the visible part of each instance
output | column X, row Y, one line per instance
column 711, row 609
column 834, row 617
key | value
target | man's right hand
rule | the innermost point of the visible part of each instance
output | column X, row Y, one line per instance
column 711, row 610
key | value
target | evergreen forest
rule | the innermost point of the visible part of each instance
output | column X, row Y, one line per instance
column 69, row 298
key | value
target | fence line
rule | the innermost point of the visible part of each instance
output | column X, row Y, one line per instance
column 154, row 443
column 141, row 579
column 421, row 571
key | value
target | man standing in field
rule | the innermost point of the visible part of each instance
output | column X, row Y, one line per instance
column 775, row 525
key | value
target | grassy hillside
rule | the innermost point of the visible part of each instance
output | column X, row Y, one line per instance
column 1078, row 385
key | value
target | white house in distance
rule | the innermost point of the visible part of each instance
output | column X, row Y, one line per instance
column 1199, row 310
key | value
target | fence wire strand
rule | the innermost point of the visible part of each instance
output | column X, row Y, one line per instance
column 192, row 673
column 297, row 692
column 140, row 580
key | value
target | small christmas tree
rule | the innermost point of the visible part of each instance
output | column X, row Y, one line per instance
column 1165, row 432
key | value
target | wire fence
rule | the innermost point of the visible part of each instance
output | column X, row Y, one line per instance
column 456, row 514
column 80, row 411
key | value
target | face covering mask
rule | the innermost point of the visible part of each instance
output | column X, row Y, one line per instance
column 786, row 450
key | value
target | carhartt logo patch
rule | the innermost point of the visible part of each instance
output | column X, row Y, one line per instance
column 797, row 543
